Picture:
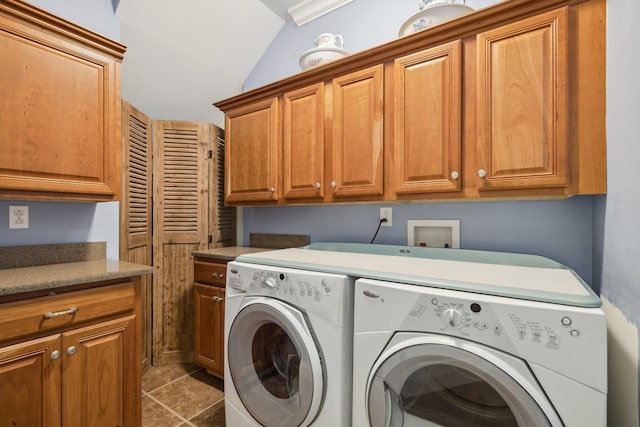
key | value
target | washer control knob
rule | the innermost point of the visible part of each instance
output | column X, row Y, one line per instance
column 269, row 283
column 452, row 317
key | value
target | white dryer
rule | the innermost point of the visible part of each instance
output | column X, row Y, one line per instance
column 431, row 356
column 288, row 347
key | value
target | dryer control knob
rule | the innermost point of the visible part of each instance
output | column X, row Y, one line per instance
column 452, row 317
column 269, row 283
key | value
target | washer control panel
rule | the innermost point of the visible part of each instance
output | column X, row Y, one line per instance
column 327, row 295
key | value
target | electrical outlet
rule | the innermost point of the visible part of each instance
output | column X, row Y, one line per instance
column 18, row 216
column 385, row 213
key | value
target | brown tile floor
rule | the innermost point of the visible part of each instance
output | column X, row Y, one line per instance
column 181, row 395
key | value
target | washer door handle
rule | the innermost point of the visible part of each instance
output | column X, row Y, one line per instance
column 371, row 294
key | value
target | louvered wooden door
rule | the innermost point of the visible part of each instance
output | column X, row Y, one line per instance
column 180, row 227
column 136, row 208
column 222, row 219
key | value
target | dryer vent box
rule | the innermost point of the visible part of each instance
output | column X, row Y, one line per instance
column 434, row 233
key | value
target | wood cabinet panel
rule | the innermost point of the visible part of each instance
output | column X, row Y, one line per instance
column 83, row 372
column 252, row 153
column 482, row 108
column 210, row 273
column 60, row 127
column 303, row 143
column 101, row 369
column 209, row 327
column 22, row 318
column 30, row 383
column 428, row 120
column 522, row 103
column 357, row 133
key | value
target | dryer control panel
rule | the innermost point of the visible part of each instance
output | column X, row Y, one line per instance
column 556, row 336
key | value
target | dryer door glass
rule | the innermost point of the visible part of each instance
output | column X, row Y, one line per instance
column 274, row 364
column 438, row 385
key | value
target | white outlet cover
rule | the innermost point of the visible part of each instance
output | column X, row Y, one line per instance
column 18, row 217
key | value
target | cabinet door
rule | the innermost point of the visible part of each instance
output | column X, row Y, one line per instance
column 522, row 103
column 30, row 383
column 252, row 153
column 358, row 133
column 303, row 143
column 101, row 376
column 60, row 104
column 427, row 114
column 209, row 328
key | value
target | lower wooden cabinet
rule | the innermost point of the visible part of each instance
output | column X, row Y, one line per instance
column 78, row 366
column 209, row 328
column 209, row 292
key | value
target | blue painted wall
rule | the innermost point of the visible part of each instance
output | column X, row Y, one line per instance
column 558, row 229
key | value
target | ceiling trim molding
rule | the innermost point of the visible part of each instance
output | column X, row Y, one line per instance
column 309, row 10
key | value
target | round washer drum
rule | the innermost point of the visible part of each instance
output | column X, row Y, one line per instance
column 424, row 379
column 278, row 373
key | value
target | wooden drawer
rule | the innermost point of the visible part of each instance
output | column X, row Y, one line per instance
column 64, row 311
column 212, row 273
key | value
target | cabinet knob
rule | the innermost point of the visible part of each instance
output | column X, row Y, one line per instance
column 333, row 184
column 455, row 175
column 272, row 189
column 71, row 350
column 216, row 275
column 482, row 173
column 217, row 299
column 55, row 355
column 317, row 185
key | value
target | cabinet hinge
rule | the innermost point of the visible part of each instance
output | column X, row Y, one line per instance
column 210, row 239
column 210, row 154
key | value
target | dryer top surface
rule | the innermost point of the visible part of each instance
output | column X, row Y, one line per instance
column 527, row 277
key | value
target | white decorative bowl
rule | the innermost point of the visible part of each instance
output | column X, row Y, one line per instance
column 320, row 56
column 433, row 15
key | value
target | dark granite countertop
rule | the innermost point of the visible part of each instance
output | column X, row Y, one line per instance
column 52, row 276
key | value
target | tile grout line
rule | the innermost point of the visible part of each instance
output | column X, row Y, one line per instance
column 183, row 419
column 208, row 407
column 173, row 381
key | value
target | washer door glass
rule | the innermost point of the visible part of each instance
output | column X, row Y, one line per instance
column 274, row 364
column 439, row 385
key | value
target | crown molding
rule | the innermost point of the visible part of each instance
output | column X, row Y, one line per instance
column 309, row 10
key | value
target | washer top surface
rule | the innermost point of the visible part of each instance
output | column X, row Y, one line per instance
column 521, row 276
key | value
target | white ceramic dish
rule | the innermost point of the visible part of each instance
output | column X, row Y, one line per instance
column 320, row 56
column 431, row 16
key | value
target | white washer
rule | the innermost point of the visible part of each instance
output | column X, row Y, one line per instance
column 288, row 347
column 429, row 356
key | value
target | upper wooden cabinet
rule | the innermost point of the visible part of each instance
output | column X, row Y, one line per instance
column 252, row 153
column 507, row 101
column 357, row 134
column 60, row 127
column 522, row 103
column 303, row 143
column 428, row 119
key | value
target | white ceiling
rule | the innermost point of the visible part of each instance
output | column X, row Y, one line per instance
column 182, row 57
